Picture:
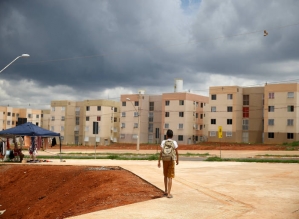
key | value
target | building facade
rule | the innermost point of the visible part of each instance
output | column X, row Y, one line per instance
column 88, row 122
column 11, row 116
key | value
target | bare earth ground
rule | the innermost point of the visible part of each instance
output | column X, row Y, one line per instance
column 202, row 146
column 33, row 191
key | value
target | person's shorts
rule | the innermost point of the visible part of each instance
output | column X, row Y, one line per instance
column 168, row 168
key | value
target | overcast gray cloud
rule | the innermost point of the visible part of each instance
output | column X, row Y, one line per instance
column 99, row 49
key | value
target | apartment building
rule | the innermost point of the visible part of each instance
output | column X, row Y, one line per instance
column 88, row 122
column 238, row 112
column 11, row 116
column 281, row 113
column 45, row 119
column 180, row 111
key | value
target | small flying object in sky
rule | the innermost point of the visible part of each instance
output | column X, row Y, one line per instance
column 265, row 33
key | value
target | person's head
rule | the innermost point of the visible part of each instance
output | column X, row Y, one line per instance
column 169, row 133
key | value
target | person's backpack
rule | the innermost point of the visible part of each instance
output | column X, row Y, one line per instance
column 168, row 151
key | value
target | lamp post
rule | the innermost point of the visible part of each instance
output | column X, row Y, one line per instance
column 138, row 134
column 21, row 56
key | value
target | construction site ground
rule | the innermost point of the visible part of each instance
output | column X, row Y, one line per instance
column 89, row 189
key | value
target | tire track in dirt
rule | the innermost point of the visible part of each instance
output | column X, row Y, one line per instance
column 233, row 208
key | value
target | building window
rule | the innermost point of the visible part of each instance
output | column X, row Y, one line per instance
column 62, row 128
column 62, row 108
column 212, row 133
column 87, row 108
column 37, row 116
column 245, row 112
column 245, row 100
column 151, row 127
column 115, row 109
column 229, row 109
column 245, row 125
column 270, row 108
column 229, row 134
column 201, row 105
column 196, row 115
column 213, row 121
column 123, row 114
column 30, row 116
column 290, row 135
column 290, row 122
column 167, row 102
column 13, row 114
column 213, row 97
column 151, row 116
column 181, row 125
column 136, row 103
column 115, row 119
column 52, row 128
column 181, row 102
column 271, row 95
column 229, row 96
column 290, row 108
column 124, row 103
column 77, row 120
column 122, row 136
column 42, row 115
column 98, row 118
column 181, row 114
column 213, row 109
column 166, row 114
column 86, row 128
column 62, row 118
column 290, row 94
column 12, row 122
column 270, row 121
column 123, row 125
column 99, row 108
column 8, row 122
column 180, row 138
column 9, row 114
column 53, row 118
column 53, row 109
column 166, row 125
column 135, row 125
column 201, row 116
column 229, row 121
column 270, row 134
column 134, row 136
column 200, row 127
column 87, row 118
column 135, row 114
column 151, row 106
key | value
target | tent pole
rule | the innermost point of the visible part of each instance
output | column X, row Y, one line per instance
column 60, row 148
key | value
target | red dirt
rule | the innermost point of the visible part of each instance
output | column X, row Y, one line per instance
column 202, row 146
column 38, row 191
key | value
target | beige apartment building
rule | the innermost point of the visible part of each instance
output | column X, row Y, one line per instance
column 180, row 111
column 238, row 112
column 88, row 122
column 281, row 113
column 265, row 114
column 11, row 116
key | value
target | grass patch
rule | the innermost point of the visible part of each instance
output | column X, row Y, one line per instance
column 252, row 160
column 194, row 155
column 275, row 155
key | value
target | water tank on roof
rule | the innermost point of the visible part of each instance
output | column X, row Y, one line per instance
column 178, row 85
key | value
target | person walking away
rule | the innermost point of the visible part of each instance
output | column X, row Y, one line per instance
column 169, row 154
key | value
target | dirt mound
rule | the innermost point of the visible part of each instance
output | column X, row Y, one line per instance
column 38, row 191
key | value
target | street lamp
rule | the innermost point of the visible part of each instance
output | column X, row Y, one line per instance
column 138, row 134
column 21, row 56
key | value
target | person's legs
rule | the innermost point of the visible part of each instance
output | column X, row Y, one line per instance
column 165, row 184
column 169, row 187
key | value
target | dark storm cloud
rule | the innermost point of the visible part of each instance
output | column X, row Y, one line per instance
column 98, row 45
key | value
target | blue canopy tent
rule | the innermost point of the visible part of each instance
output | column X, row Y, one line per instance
column 29, row 129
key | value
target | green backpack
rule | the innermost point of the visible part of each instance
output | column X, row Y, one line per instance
column 168, row 151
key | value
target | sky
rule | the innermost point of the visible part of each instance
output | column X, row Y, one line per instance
column 100, row 49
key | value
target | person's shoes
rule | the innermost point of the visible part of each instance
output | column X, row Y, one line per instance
column 165, row 193
column 169, row 196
